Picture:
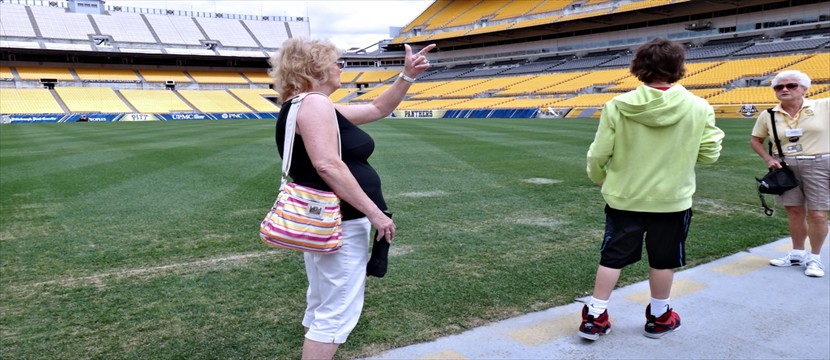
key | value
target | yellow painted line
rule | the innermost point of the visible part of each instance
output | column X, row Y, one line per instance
column 445, row 354
column 548, row 331
column 680, row 288
column 742, row 266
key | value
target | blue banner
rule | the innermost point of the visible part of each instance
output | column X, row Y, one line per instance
column 34, row 118
column 56, row 118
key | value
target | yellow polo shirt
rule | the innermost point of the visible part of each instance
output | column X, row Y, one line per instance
column 814, row 121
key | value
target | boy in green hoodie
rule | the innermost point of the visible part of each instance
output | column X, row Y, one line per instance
column 643, row 156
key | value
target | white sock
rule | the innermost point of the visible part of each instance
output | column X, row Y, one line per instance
column 800, row 253
column 596, row 306
column 816, row 257
column 659, row 306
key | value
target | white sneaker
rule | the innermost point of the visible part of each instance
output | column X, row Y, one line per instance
column 814, row 268
column 789, row 260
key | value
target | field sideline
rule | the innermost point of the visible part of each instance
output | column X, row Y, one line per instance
column 139, row 240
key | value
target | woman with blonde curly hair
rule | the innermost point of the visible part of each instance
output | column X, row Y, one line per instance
column 336, row 281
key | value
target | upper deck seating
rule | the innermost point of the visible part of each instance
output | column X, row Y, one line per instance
column 57, row 23
column 299, row 29
column 487, row 72
column 808, row 32
column 788, row 46
column 422, row 19
column 513, row 9
column 124, row 27
column 227, row 32
column 446, row 15
column 14, row 21
column 175, row 30
column 640, row 5
column 481, row 10
column 269, row 36
column 584, row 63
column 714, row 51
column 448, row 74
column 623, row 60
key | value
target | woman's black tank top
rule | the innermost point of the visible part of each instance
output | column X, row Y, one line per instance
column 356, row 147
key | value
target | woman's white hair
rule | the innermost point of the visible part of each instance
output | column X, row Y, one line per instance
column 799, row 77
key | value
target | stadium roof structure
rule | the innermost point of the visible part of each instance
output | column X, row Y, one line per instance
column 582, row 26
column 90, row 31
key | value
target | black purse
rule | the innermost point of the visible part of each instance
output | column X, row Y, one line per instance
column 776, row 181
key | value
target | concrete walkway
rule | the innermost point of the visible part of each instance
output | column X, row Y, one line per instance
column 738, row 307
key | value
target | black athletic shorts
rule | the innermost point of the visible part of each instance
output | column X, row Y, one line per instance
column 665, row 238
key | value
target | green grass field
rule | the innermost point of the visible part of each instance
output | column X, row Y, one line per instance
column 139, row 240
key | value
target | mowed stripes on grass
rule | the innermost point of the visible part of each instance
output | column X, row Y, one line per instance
column 139, row 240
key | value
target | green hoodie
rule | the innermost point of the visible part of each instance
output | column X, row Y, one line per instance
column 646, row 147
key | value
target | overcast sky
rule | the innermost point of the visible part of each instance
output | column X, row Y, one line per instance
column 346, row 23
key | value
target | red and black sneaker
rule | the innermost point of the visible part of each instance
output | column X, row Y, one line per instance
column 591, row 327
column 656, row 327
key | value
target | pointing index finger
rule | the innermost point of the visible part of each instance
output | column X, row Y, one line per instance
column 426, row 49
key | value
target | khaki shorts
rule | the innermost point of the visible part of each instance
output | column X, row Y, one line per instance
column 813, row 174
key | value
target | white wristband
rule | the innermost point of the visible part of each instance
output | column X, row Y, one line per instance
column 406, row 78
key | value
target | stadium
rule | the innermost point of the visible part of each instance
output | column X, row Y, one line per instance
column 132, row 234
column 498, row 59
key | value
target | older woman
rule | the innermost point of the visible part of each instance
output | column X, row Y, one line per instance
column 804, row 131
column 336, row 281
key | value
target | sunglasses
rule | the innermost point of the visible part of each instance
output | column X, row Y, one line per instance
column 341, row 64
column 789, row 86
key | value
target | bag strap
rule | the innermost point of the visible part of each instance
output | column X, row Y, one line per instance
column 290, row 131
column 768, row 211
column 775, row 136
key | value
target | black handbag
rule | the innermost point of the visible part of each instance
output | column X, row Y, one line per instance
column 776, row 181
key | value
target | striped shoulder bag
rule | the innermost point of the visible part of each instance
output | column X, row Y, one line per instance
column 302, row 218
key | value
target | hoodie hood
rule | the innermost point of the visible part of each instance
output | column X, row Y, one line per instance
column 653, row 107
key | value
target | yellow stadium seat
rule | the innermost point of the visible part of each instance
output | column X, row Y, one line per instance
column 255, row 98
column 92, row 100
column 37, row 73
column 164, row 75
column 155, row 101
column 214, row 101
column 28, row 101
